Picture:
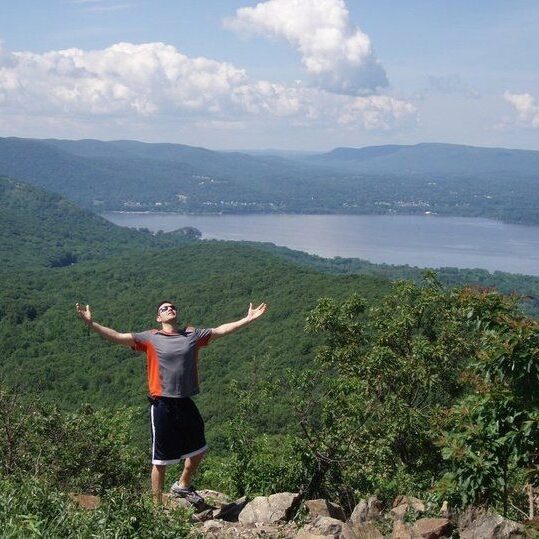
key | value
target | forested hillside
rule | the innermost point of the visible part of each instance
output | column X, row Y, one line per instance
column 524, row 286
column 347, row 386
column 129, row 175
column 38, row 228
column 68, row 255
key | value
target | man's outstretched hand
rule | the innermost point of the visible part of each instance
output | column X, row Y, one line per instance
column 84, row 313
column 256, row 312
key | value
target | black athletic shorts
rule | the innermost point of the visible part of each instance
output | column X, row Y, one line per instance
column 177, row 430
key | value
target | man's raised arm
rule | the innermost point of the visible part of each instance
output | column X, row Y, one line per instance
column 84, row 313
column 252, row 314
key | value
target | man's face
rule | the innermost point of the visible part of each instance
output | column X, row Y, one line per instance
column 166, row 313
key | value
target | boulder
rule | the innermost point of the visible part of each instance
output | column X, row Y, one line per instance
column 401, row 531
column 431, row 528
column 171, row 501
column 214, row 498
column 366, row 511
column 326, row 528
column 491, row 526
column 402, row 504
column 375, row 508
column 366, row 531
column 359, row 514
column 270, row 509
column 445, row 512
column 324, row 508
column 230, row 512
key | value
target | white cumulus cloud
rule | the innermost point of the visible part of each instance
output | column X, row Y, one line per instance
column 147, row 83
column 337, row 56
column 524, row 104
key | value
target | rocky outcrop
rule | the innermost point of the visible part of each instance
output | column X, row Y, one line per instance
column 491, row 526
column 270, row 509
column 402, row 504
column 367, row 511
column 431, row 528
column 324, row 508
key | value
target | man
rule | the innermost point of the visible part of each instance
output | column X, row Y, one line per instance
column 177, row 427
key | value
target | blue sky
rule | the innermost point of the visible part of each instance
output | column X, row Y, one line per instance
column 288, row 74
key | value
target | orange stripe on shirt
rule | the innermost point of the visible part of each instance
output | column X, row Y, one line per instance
column 154, row 376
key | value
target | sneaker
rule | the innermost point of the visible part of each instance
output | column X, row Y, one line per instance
column 189, row 493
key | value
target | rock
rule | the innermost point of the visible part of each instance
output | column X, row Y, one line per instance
column 366, row 511
column 270, row 509
column 366, row 531
column 401, row 504
column 445, row 512
column 203, row 516
column 219, row 529
column 401, row 531
column 491, row 526
column 230, row 512
column 359, row 514
column 469, row 515
column 213, row 526
column 431, row 528
column 171, row 502
column 375, row 508
column 86, row 501
column 324, row 508
column 214, row 498
column 326, row 527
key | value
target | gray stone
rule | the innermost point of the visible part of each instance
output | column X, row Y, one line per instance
column 324, row 508
column 366, row 531
column 491, row 526
column 431, row 528
column 270, row 509
column 402, row 504
column 366, row 511
column 375, row 508
column 401, row 530
column 359, row 514
column 214, row 498
column 230, row 512
column 445, row 512
column 326, row 527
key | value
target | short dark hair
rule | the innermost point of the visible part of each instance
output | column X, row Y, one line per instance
column 162, row 303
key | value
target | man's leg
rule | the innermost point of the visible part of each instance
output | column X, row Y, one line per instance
column 158, row 481
column 189, row 468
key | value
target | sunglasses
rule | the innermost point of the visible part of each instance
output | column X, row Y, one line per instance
column 166, row 308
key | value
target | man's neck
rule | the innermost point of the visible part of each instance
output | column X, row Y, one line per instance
column 168, row 328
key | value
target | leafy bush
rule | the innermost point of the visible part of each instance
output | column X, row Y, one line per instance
column 30, row 508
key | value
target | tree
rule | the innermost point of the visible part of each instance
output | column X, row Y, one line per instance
column 493, row 431
column 369, row 409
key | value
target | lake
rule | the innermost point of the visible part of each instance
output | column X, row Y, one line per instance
column 423, row 241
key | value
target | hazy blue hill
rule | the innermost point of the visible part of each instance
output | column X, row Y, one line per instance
column 435, row 158
column 129, row 175
column 224, row 163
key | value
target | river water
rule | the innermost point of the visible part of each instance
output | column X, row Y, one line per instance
column 423, row 241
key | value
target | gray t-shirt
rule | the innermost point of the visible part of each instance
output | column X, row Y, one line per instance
column 172, row 360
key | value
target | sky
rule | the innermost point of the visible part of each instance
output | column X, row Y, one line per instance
column 275, row 74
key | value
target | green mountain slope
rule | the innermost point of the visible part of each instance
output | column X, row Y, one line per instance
column 38, row 228
column 122, row 274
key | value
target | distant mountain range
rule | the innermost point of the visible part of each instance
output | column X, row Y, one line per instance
column 128, row 175
column 434, row 159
